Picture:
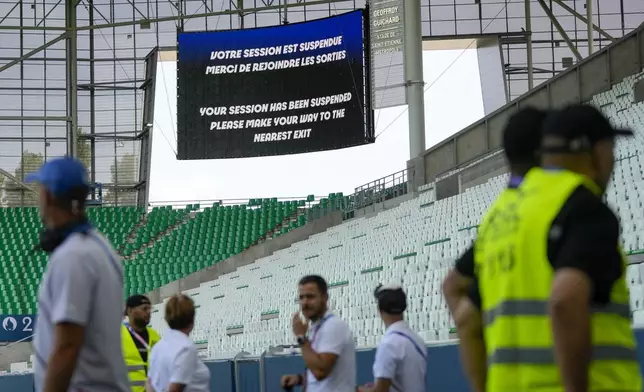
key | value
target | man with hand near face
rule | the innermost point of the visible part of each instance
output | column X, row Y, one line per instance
column 328, row 348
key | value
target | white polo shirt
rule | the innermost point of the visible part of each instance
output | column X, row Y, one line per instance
column 174, row 360
column 331, row 335
column 83, row 285
column 401, row 357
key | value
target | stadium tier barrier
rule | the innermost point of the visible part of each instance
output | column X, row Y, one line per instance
column 444, row 371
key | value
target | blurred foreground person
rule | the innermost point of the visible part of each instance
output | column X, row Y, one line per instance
column 137, row 340
column 329, row 350
column 175, row 365
column 80, row 305
column 551, row 274
column 401, row 356
column 521, row 143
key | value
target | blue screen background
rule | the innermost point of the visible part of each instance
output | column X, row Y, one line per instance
column 196, row 47
column 196, row 89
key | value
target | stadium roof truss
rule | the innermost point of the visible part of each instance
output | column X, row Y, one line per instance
column 78, row 76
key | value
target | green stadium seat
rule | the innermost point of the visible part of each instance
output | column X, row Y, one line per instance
column 214, row 234
column 21, row 269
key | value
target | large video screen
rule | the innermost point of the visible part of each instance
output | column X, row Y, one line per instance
column 271, row 91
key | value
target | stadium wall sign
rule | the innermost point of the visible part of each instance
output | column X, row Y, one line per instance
column 15, row 328
column 387, row 34
column 275, row 90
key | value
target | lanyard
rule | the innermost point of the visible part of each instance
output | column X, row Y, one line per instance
column 317, row 328
column 137, row 336
column 416, row 346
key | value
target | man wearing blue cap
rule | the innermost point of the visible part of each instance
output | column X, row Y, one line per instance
column 77, row 343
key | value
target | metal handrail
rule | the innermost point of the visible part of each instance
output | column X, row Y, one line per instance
column 390, row 178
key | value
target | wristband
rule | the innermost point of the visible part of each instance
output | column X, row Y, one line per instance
column 301, row 340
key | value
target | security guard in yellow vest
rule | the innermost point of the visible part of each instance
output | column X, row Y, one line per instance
column 550, row 272
column 521, row 142
column 137, row 340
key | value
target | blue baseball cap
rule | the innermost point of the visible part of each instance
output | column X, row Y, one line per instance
column 60, row 175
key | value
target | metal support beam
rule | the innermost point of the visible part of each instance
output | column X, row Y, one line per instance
column 49, row 13
column 584, row 20
column 34, row 118
column 41, row 139
column 85, row 87
column 112, row 82
column 589, row 26
column 17, row 181
column 92, row 94
column 136, row 9
column 216, row 13
column 33, row 52
column 560, row 29
column 72, row 77
column 97, row 136
column 240, row 8
column 178, row 17
column 10, row 11
column 415, row 85
column 32, row 28
column 528, row 30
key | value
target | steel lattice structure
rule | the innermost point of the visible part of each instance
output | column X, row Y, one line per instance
column 77, row 76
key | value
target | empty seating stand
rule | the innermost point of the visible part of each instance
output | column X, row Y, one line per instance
column 157, row 222
column 414, row 244
column 22, row 268
column 215, row 234
column 116, row 223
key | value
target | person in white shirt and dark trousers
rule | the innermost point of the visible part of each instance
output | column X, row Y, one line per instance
column 328, row 347
column 401, row 356
column 175, row 365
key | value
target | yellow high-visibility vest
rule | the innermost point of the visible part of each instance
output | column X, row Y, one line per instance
column 515, row 279
column 135, row 366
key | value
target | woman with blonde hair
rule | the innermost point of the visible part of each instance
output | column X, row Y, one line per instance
column 175, row 365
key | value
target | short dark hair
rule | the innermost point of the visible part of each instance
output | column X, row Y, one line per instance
column 522, row 136
column 318, row 281
column 76, row 195
column 392, row 300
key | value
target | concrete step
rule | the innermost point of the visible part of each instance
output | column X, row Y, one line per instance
column 132, row 235
column 191, row 215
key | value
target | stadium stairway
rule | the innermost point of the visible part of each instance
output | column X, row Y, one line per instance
column 130, row 238
column 158, row 222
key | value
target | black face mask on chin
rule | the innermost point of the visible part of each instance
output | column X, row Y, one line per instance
column 50, row 239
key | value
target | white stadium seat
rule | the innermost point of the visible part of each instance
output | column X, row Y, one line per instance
column 414, row 244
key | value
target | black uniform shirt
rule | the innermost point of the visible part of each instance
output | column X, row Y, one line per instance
column 584, row 236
